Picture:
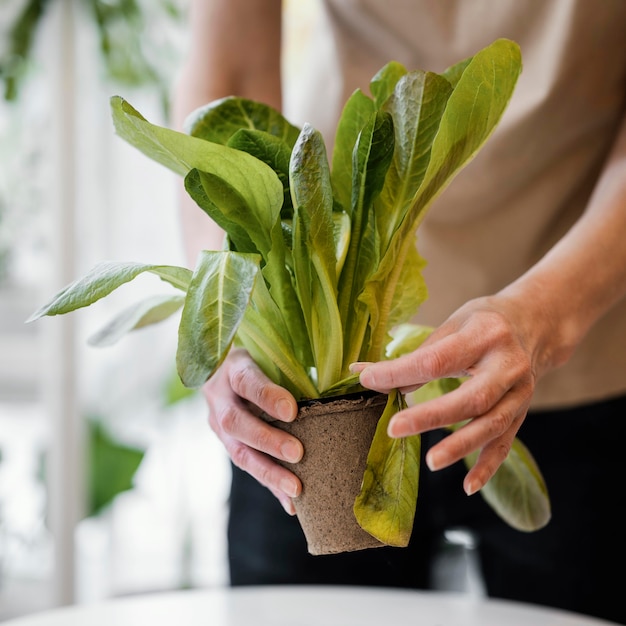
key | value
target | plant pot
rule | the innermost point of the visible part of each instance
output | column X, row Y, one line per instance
column 336, row 434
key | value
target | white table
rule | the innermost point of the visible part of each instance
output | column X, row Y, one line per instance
column 304, row 606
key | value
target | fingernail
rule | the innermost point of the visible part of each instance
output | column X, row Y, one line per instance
column 284, row 410
column 291, row 451
column 288, row 506
column 433, row 461
column 471, row 487
column 355, row 368
column 397, row 427
column 289, row 487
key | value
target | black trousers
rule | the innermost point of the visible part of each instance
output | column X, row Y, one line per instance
column 569, row 564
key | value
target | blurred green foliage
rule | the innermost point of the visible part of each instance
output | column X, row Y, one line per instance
column 112, row 466
column 121, row 32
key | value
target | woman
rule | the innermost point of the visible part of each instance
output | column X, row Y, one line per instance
column 527, row 278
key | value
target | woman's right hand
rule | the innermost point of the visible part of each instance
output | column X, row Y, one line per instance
column 237, row 394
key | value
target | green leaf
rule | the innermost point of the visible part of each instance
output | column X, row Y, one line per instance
column 216, row 302
column 271, row 150
column 149, row 311
column 253, row 179
column 385, row 80
column 416, row 105
column 104, row 278
column 112, row 466
column 253, row 227
column 228, row 208
column 357, row 111
column 272, row 339
column 410, row 293
column 371, row 159
column 454, row 72
column 385, row 507
column 479, row 99
column 517, row 491
column 219, row 120
column 313, row 253
column 407, row 338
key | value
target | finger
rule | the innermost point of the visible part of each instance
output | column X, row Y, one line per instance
column 285, row 501
column 489, row 460
column 496, row 429
column 234, row 420
column 448, row 357
column 266, row 471
column 248, row 381
column 475, row 397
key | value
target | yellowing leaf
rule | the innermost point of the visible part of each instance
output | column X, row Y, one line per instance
column 385, row 508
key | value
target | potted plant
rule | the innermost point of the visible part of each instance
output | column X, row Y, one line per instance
column 320, row 268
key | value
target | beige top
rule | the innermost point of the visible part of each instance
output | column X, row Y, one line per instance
column 534, row 176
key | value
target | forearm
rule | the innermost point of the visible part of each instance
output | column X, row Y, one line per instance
column 234, row 50
column 584, row 275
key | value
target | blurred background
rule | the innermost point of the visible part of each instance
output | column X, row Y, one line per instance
column 111, row 482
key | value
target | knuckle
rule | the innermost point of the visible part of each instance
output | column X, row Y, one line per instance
column 242, row 378
column 262, row 395
column 481, row 401
column 499, row 423
column 228, row 419
column 498, row 324
column 501, row 450
column 240, row 455
column 264, row 476
column 264, row 441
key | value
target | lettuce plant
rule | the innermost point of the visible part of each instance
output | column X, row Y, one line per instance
column 320, row 264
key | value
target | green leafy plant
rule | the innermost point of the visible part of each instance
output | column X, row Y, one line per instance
column 320, row 265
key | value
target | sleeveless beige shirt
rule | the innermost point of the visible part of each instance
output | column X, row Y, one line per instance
column 535, row 174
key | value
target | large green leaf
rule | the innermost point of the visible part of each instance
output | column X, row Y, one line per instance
column 313, row 251
column 479, row 99
column 252, row 228
column 216, row 302
column 219, row 120
column 253, row 179
column 104, row 278
column 371, row 158
column 417, row 105
column 385, row 507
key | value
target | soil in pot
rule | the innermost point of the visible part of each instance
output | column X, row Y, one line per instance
column 336, row 434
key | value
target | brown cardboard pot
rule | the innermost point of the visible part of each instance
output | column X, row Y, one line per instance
column 336, row 434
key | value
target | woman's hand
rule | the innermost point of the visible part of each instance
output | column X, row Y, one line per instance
column 237, row 394
column 502, row 352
